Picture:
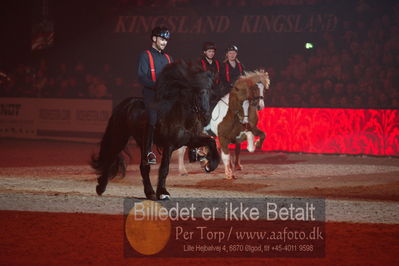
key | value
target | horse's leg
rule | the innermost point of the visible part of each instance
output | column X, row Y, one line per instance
column 253, row 118
column 250, row 141
column 237, row 163
column 145, row 174
column 182, row 168
column 249, row 137
column 259, row 133
column 228, row 169
column 212, row 158
column 162, row 193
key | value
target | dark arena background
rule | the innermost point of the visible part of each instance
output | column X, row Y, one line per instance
column 331, row 121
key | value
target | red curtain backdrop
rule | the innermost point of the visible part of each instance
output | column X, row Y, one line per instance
column 317, row 130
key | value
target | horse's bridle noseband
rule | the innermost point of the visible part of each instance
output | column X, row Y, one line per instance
column 195, row 108
column 254, row 100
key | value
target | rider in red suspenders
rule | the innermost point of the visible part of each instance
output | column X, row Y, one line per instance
column 208, row 60
column 151, row 62
column 208, row 63
column 232, row 70
column 232, row 67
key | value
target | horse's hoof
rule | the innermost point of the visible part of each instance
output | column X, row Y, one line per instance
column 238, row 167
column 183, row 172
column 251, row 149
column 151, row 196
column 258, row 144
column 206, row 168
column 164, row 197
column 100, row 190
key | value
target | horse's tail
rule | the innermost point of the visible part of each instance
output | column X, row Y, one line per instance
column 110, row 161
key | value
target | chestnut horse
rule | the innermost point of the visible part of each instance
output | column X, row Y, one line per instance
column 228, row 115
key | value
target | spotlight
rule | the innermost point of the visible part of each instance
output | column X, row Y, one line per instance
column 309, row 45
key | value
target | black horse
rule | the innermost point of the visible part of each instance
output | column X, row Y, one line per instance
column 182, row 99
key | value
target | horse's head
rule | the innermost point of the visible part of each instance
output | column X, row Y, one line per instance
column 184, row 84
column 259, row 82
column 201, row 95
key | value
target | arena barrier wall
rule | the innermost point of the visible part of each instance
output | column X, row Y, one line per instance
column 322, row 130
column 59, row 119
column 310, row 130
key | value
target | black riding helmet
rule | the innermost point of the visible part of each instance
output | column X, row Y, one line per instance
column 232, row 48
column 161, row 32
column 208, row 45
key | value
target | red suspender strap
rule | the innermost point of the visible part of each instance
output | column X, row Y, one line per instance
column 152, row 67
column 203, row 64
column 227, row 72
column 167, row 57
column 216, row 62
column 240, row 67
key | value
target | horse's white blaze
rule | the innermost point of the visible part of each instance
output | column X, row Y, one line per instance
column 250, row 140
column 245, row 107
column 261, row 90
column 261, row 86
column 261, row 104
column 182, row 168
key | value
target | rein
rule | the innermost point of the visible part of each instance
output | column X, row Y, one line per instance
column 195, row 108
column 254, row 100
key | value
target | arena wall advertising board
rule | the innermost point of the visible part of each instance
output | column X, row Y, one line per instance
column 59, row 119
column 309, row 130
column 18, row 117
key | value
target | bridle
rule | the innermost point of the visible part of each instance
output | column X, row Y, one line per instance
column 254, row 100
column 196, row 107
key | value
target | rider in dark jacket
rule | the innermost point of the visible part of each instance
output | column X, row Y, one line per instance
column 151, row 62
column 208, row 60
column 231, row 71
column 232, row 68
column 210, row 63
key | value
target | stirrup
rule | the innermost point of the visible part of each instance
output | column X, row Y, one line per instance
column 192, row 155
column 151, row 158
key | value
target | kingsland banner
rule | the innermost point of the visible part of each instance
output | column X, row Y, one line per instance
column 264, row 35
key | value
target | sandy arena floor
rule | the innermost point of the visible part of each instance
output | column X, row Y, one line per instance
column 49, row 206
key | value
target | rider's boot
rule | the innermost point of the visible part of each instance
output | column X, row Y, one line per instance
column 150, row 157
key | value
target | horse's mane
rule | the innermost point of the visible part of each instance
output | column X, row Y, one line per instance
column 178, row 82
column 241, row 89
column 257, row 76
